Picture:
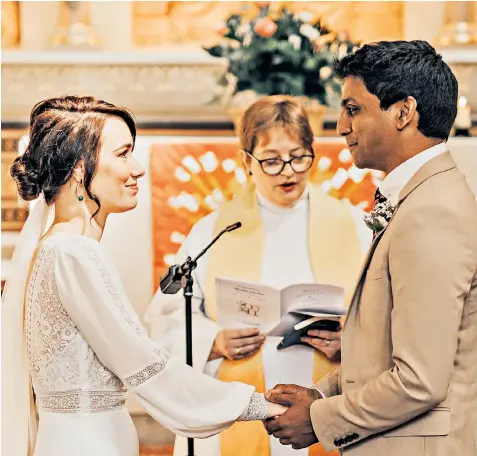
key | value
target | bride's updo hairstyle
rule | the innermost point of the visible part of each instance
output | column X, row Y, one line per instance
column 63, row 131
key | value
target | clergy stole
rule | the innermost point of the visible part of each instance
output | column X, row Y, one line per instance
column 335, row 256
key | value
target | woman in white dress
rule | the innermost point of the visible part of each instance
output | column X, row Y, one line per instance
column 83, row 344
column 291, row 233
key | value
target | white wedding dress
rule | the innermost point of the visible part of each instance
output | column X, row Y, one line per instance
column 86, row 347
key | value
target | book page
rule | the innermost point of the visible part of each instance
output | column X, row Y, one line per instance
column 242, row 304
column 313, row 299
column 288, row 321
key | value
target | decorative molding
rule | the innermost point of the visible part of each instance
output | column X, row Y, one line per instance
column 169, row 56
column 173, row 84
column 456, row 56
column 13, row 218
column 153, row 85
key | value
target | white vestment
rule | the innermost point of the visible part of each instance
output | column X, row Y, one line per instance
column 86, row 347
column 285, row 261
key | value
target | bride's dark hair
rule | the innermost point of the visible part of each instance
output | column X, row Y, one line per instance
column 63, row 131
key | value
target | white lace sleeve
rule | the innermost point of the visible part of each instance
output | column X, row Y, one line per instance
column 183, row 399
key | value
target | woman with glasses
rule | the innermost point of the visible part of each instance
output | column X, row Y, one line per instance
column 291, row 233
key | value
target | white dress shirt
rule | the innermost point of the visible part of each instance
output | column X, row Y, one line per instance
column 397, row 179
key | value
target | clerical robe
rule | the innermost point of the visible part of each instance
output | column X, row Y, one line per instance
column 320, row 239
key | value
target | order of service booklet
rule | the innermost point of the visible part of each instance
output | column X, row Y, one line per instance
column 289, row 312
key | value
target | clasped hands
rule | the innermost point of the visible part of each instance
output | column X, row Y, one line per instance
column 293, row 427
column 289, row 405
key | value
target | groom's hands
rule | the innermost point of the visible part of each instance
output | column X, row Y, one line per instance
column 294, row 426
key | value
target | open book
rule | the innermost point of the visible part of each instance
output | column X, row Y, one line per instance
column 276, row 312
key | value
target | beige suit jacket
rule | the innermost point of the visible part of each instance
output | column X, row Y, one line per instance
column 407, row 385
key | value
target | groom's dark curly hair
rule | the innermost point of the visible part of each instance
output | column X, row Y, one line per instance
column 394, row 70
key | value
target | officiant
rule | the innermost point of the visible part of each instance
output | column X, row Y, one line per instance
column 291, row 233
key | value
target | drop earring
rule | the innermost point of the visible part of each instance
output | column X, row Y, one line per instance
column 80, row 198
column 250, row 173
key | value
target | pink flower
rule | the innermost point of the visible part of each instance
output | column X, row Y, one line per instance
column 265, row 27
column 222, row 29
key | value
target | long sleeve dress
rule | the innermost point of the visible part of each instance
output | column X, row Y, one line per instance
column 86, row 347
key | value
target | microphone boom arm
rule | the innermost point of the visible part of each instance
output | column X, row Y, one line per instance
column 170, row 282
column 216, row 238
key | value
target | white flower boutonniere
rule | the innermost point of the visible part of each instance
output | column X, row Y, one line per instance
column 378, row 219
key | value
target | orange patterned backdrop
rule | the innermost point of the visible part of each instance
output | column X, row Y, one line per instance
column 189, row 180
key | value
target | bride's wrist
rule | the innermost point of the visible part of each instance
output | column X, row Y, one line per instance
column 275, row 409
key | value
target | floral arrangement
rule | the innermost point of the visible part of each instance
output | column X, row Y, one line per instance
column 279, row 52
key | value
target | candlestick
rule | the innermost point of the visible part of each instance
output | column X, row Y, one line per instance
column 463, row 120
column 460, row 27
column 74, row 30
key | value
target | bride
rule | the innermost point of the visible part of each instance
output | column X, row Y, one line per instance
column 67, row 324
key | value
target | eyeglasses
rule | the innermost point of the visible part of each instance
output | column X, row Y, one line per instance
column 274, row 166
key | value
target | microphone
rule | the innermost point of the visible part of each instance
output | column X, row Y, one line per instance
column 233, row 227
column 171, row 281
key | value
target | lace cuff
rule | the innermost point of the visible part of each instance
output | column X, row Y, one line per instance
column 257, row 409
column 152, row 370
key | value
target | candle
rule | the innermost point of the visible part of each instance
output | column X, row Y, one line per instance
column 463, row 119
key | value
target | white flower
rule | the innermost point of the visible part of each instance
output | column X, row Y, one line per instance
column 309, row 31
column 378, row 219
column 244, row 29
column 305, row 16
column 342, row 51
column 382, row 220
column 295, row 40
column 325, row 72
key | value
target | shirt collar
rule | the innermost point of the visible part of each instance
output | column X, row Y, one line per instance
column 397, row 179
column 301, row 202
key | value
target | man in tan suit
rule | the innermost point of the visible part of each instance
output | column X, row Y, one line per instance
column 407, row 385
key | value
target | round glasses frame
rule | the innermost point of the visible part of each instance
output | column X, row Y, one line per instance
column 293, row 162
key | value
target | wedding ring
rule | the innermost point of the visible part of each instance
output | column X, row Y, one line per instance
column 237, row 351
column 328, row 342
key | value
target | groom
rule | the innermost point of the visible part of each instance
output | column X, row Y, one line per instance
column 408, row 380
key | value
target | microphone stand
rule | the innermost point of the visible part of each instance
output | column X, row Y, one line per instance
column 188, row 293
column 170, row 285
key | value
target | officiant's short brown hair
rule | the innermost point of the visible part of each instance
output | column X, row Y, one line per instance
column 275, row 111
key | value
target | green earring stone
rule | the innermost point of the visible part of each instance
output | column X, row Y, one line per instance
column 80, row 198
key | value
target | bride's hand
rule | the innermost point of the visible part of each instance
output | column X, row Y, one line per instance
column 275, row 409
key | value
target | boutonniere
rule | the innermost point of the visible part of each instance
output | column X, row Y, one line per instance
column 378, row 219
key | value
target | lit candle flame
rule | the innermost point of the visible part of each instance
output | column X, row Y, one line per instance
column 462, row 103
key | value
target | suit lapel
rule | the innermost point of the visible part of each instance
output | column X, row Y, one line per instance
column 364, row 267
column 439, row 164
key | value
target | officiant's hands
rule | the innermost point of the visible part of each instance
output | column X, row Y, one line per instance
column 294, row 427
column 327, row 342
column 236, row 343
